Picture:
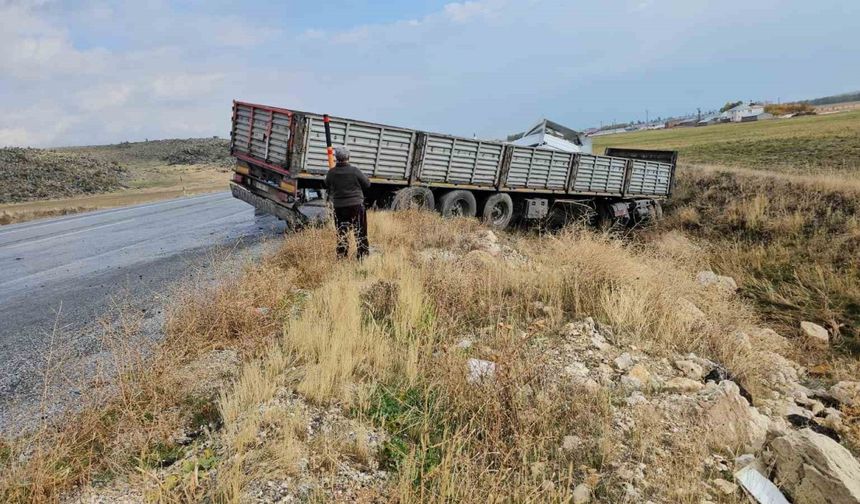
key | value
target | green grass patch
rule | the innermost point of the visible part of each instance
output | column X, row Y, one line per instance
column 827, row 142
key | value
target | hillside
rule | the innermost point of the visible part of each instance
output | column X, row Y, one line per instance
column 827, row 142
column 453, row 365
column 46, row 182
column 38, row 174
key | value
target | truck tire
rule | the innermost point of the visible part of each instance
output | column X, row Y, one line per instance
column 458, row 203
column 658, row 211
column 498, row 211
column 413, row 197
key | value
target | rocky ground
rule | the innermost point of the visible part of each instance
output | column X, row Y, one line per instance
column 671, row 416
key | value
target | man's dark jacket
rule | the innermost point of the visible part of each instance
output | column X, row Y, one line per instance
column 345, row 183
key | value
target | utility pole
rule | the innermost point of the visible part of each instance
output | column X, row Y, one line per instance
column 646, row 117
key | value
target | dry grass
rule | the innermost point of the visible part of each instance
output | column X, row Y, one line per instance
column 373, row 338
column 789, row 241
column 376, row 341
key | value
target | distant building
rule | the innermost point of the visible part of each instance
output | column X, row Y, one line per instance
column 711, row 119
column 760, row 117
column 743, row 112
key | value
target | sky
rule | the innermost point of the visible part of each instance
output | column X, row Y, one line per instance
column 83, row 72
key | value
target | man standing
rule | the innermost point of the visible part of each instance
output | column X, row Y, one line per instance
column 345, row 184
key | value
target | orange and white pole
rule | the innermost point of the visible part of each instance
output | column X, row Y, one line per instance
column 329, row 148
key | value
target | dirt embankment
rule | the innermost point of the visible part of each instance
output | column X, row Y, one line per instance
column 48, row 182
column 30, row 174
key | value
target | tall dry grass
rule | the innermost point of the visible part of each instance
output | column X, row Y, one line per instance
column 377, row 341
column 791, row 241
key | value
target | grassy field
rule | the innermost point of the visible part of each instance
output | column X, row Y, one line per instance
column 775, row 203
column 820, row 143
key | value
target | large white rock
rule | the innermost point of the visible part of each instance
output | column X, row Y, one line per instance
column 812, row 468
column 846, row 392
column 480, row 370
column 731, row 422
column 690, row 369
column 681, row 385
column 815, row 334
column 709, row 278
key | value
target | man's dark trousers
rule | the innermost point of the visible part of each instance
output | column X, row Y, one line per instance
column 351, row 217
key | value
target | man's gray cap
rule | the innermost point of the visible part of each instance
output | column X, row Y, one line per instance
column 341, row 153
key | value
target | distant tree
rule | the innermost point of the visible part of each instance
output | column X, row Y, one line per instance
column 730, row 105
column 789, row 108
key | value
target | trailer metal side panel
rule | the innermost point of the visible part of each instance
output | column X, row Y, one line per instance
column 599, row 174
column 261, row 132
column 378, row 151
column 454, row 160
column 650, row 178
column 538, row 169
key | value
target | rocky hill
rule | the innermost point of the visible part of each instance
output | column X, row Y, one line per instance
column 30, row 174
column 36, row 174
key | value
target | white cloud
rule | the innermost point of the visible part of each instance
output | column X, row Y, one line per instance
column 104, row 96
column 35, row 49
column 181, row 86
column 467, row 11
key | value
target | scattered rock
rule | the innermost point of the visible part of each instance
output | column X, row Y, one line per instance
column 690, row 369
column 815, row 334
column 480, row 370
column 693, row 312
column 570, row 443
column 744, row 460
column 582, row 494
column 637, row 378
column 731, row 422
column 724, row 487
column 846, row 392
column 709, row 278
column 576, row 369
column 813, row 468
column 624, row 361
column 635, row 399
column 464, row 344
column 681, row 385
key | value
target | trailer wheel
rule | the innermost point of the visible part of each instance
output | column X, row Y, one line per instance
column 498, row 211
column 458, row 203
column 413, row 197
column 658, row 211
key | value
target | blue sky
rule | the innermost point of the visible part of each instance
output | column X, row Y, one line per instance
column 87, row 72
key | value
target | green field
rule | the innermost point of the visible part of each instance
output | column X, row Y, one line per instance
column 826, row 142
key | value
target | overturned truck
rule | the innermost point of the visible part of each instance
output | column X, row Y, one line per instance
column 281, row 161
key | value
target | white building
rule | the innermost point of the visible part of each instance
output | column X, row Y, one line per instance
column 740, row 112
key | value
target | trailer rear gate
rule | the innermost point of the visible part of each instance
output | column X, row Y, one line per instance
column 261, row 132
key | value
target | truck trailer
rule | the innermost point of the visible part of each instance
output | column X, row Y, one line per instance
column 281, row 162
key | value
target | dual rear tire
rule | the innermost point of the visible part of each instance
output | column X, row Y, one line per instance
column 496, row 210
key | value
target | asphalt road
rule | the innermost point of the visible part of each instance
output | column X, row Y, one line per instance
column 60, row 277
